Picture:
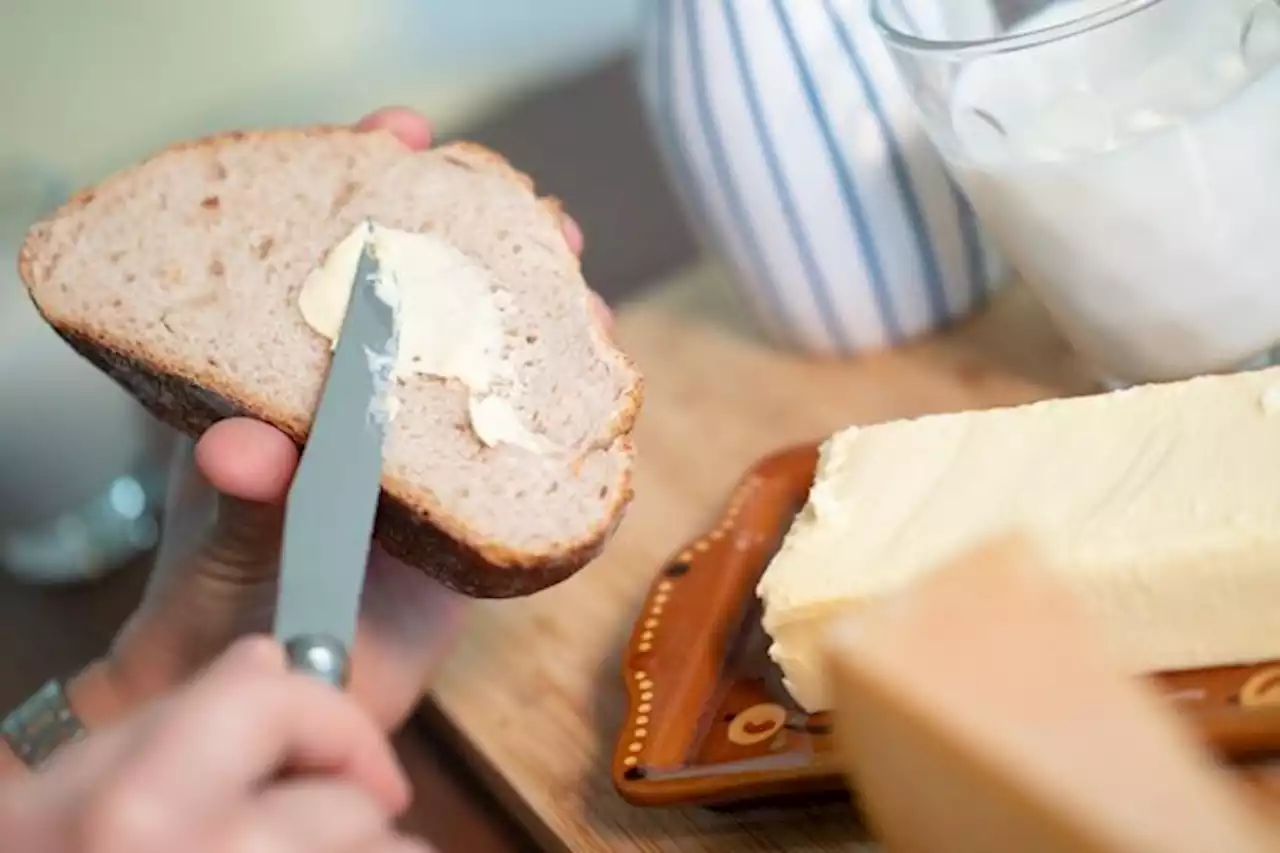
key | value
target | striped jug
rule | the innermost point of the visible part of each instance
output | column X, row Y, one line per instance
column 797, row 152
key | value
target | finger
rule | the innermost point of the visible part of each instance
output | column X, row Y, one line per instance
column 189, row 511
column 244, row 722
column 572, row 233
column 250, row 464
column 405, row 124
column 306, row 817
column 247, row 460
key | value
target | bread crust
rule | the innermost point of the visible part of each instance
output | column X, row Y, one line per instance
column 408, row 526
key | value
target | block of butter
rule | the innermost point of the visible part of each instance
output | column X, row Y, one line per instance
column 1159, row 505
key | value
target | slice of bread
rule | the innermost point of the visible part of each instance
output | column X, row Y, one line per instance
column 179, row 277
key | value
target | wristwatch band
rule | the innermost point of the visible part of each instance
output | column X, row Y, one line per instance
column 41, row 725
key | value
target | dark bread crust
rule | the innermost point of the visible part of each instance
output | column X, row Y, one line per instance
column 403, row 531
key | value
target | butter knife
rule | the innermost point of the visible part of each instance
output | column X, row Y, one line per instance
column 331, row 504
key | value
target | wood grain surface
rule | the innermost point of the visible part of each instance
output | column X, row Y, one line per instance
column 535, row 690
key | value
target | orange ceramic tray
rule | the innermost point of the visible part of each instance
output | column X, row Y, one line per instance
column 710, row 723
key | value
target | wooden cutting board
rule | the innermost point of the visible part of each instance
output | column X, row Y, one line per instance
column 534, row 692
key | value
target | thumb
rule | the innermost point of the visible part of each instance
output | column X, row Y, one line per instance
column 249, row 465
column 244, row 545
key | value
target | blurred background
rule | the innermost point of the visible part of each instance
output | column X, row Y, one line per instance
column 94, row 86
column 102, row 83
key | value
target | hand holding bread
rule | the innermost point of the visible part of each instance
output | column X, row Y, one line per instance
column 237, row 221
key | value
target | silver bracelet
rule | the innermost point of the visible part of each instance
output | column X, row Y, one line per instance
column 41, row 725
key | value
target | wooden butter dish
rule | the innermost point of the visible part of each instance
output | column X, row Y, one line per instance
column 710, row 723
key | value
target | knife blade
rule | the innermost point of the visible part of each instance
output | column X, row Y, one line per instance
column 330, row 507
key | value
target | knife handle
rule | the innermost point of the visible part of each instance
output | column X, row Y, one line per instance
column 320, row 656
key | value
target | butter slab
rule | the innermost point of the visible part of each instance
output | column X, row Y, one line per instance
column 1158, row 505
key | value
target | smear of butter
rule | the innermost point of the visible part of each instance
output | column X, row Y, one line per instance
column 450, row 317
column 381, row 367
column 496, row 422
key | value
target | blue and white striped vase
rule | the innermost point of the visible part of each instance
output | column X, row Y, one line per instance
column 796, row 149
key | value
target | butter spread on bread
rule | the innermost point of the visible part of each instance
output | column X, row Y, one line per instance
column 450, row 312
column 1159, row 505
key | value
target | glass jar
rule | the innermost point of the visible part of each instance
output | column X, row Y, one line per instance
column 1125, row 155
